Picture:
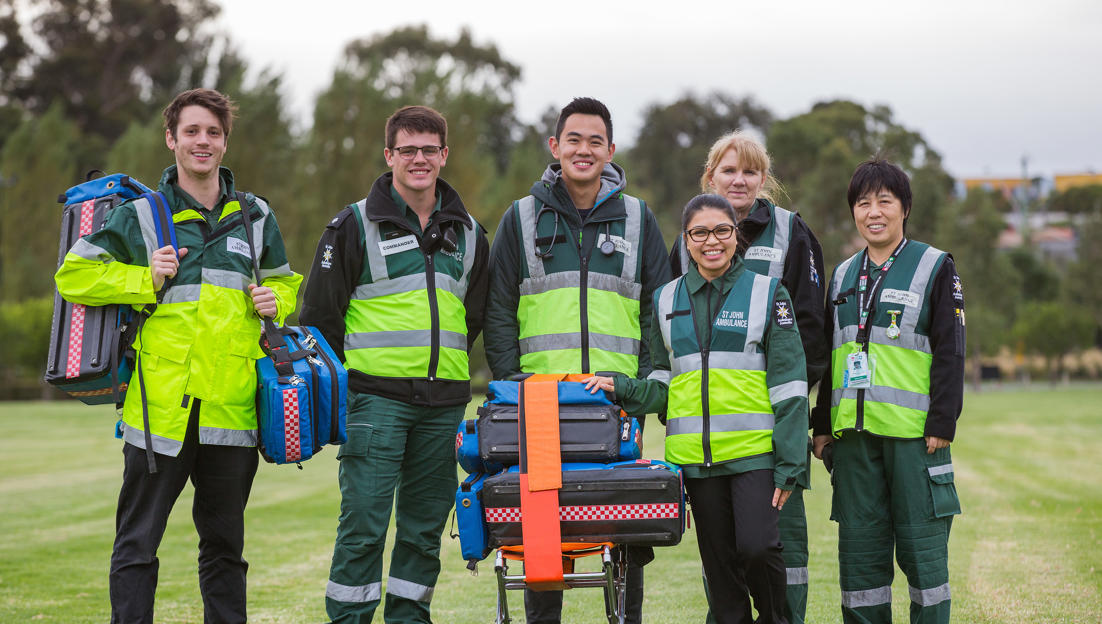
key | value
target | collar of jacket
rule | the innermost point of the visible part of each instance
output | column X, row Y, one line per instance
column 757, row 220
column 381, row 207
column 170, row 180
column 694, row 281
column 551, row 191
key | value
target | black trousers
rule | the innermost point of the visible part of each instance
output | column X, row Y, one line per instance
column 740, row 546
column 223, row 477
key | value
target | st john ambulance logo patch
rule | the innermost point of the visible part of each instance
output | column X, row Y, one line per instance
column 783, row 313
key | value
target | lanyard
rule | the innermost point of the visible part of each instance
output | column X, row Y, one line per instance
column 866, row 294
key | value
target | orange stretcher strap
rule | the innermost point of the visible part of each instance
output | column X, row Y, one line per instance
column 540, row 399
column 540, row 480
column 542, row 535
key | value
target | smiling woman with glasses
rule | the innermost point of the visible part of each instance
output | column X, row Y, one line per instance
column 729, row 375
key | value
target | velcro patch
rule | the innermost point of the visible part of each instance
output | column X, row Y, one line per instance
column 769, row 254
column 398, row 245
column 902, row 297
column 238, row 246
column 783, row 313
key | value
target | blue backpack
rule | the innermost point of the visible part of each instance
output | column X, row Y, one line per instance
column 89, row 344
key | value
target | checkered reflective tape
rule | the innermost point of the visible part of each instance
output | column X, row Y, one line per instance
column 589, row 513
column 76, row 323
column 291, row 424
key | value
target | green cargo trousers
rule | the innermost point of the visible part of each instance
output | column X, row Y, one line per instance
column 890, row 494
column 391, row 446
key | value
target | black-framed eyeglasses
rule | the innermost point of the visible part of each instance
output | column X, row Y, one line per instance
column 407, row 152
column 723, row 231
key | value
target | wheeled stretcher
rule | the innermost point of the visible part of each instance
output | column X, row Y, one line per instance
column 546, row 514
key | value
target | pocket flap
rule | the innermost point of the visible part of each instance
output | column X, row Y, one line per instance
column 246, row 343
column 166, row 346
column 942, row 474
column 359, row 441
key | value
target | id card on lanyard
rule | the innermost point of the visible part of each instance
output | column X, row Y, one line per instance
column 859, row 365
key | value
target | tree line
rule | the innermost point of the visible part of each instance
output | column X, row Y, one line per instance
column 85, row 91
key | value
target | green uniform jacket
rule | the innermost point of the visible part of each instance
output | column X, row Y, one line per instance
column 508, row 267
column 784, row 364
column 203, row 339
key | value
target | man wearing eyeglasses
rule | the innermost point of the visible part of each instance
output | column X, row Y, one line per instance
column 397, row 287
column 573, row 268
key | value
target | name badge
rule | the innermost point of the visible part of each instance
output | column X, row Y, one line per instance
column 769, row 254
column 238, row 246
column 857, row 373
column 398, row 245
column 902, row 297
column 618, row 242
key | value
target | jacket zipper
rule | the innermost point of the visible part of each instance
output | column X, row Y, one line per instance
column 583, row 300
column 434, row 315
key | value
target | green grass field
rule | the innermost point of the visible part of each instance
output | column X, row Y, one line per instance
column 1027, row 549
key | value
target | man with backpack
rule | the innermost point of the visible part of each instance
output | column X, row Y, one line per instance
column 193, row 400
column 398, row 287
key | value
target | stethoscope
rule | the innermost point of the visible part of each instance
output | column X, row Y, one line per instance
column 607, row 247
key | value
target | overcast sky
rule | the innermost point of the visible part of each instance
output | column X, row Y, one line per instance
column 984, row 82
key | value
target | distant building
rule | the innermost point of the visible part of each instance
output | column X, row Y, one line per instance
column 1063, row 181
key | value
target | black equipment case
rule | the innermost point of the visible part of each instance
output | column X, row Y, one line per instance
column 636, row 502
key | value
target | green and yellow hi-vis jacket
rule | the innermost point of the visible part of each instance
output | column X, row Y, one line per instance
column 203, row 339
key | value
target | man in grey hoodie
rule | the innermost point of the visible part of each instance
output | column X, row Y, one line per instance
column 573, row 268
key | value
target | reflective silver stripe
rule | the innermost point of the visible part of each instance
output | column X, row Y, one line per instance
column 469, row 250
column 182, row 293
column 921, row 279
column 796, row 576
column 940, row 470
column 227, row 279
column 758, row 316
column 408, row 589
column 788, row 390
column 573, row 340
column 354, row 593
column 162, row 445
column 149, row 229
column 258, row 224
column 683, row 252
column 526, row 210
column 625, row 287
column 720, row 423
column 729, row 360
column 404, row 338
column 572, row 279
column 884, row 394
column 546, row 283
column 660, row 375
column 279, row 271
column 633, row 234
column 665, row 306
column 88, row 251
column 929, row 597
column 227, row 437
column 836, row 285
column 403, row 284
column 867, row 597
column 375, row 259
column 878, row 335
column 782, row 232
